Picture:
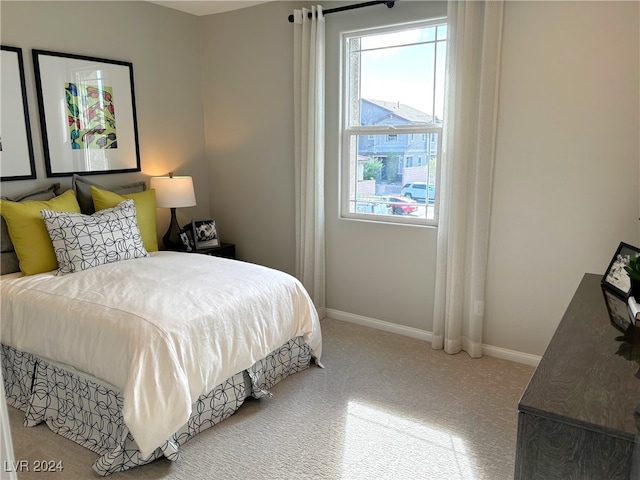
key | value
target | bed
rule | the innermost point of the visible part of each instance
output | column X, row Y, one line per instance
column 133, row 358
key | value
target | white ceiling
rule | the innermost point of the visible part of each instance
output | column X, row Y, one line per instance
column 206, row 7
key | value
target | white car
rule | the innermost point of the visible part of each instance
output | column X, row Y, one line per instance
column 418, row 191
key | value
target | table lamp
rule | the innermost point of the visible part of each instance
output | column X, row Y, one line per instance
column 173, row 192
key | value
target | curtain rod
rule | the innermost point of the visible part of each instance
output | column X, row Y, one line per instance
column 352, row 7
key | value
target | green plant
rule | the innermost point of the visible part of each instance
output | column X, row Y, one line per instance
column 633, row 268
column 372, row 169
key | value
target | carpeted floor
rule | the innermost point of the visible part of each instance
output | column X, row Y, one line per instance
column 384, row 407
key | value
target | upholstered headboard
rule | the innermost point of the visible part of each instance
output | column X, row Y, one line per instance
column 9, row 262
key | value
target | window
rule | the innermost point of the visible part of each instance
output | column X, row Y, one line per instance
column 392, row 108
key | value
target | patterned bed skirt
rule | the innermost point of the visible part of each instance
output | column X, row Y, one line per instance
column 90, row 414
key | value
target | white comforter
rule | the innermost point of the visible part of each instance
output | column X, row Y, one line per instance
column 163, row 330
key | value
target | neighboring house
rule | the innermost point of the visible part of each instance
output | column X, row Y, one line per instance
column 397, row 152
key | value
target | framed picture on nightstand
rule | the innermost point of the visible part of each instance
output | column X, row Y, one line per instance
column 205, row 234
column 186, row 240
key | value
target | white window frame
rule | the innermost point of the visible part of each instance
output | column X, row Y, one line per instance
column 348, row 132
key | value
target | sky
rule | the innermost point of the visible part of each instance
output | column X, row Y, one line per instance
column 400, row 67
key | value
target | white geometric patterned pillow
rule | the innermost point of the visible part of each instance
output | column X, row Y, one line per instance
column 86, row 241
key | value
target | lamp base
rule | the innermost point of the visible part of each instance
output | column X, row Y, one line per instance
column 171, row 239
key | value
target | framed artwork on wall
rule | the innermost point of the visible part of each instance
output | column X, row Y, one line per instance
column 16, row 146
column 87, row 114
column 616, row 277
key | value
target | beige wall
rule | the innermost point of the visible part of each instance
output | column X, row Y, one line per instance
column 567, row 161
column 567, row 167
column 566, row 177
column 379, row 271
column 162, row 44
column 247, row 72
column 248, row 107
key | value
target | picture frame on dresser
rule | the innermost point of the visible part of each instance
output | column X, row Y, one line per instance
column 617, row 310
column 17, row 161
column 616, row 277
column 96, row 133
column 205, row 234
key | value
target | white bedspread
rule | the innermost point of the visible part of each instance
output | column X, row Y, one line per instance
column 163, row 330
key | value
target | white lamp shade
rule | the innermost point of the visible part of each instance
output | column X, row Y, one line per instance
column 173, row 192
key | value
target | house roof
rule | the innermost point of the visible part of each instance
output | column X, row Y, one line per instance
column 410, row 114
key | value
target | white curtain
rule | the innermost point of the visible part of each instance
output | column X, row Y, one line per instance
column 474, row 42
column 309, row 58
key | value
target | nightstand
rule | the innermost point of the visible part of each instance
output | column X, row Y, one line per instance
column 227, row 250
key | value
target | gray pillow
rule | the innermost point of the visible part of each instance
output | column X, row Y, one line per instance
column 82, row 187
column 8, row 258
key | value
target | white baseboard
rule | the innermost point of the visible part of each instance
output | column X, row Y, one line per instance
column 379, row 324
column 513, row 355
column 425, row 335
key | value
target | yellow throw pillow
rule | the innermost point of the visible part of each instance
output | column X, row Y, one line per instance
column 145, row 211
column 29, row 234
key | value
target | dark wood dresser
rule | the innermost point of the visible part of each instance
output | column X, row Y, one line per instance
column 577, row 417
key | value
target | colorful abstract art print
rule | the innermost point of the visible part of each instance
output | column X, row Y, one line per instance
column 87, row 114
column 91, row 115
